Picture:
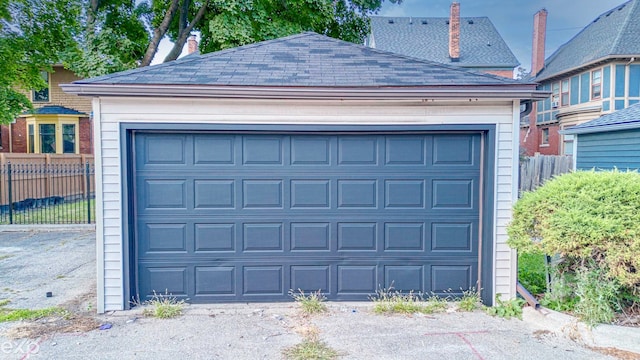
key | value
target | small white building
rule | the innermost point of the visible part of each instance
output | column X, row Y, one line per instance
column 303, row 162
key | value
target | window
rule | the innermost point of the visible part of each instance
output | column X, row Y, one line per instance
column 596, row 84
column 32, row 139
column 68, row 138
column 544, row 136
column 47, row 138
column 568, row 145
column 555, row 95
column 564, row 93
column 43, row 94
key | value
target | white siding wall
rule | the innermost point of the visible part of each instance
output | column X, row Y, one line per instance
column 109, row 112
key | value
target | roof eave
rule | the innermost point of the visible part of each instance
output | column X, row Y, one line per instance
column 508, row 91
column 602, row 128
column 580, row 68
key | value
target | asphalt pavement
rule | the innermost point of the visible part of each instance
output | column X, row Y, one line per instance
column 63, row 263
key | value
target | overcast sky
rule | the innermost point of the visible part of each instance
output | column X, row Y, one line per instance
column 512, row 18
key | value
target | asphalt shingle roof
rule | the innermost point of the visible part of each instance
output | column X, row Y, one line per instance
column 627, row 118
column 54, row 110
column 428, row 38
column 305, row 60
column 615, row 32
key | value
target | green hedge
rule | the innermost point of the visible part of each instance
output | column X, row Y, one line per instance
column 592, row 219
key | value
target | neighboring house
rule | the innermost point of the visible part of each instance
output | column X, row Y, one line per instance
column 59, row 123
column 470, row 42
column 608, row 142
column 595, row 73
column 303, row 162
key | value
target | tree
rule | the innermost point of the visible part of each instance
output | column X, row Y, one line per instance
column 32, row 35
column 230, row 23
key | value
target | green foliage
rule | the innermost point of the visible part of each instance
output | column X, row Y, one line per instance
column 231, row 23
column 310, row 349
column 531, row 272
column 7, row 314
column 585, row 217
column 597, row 297
column 469, row 301
column 561, row 295
column 507, row 308
column 163, row 306
column 389, row 301
column 311, row 303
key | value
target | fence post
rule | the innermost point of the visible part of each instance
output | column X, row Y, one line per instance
column 88, row 192
column 10, row 189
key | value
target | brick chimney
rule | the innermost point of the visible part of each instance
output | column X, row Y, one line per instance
column 454, row 32
column 539, row 36
column 192, row 44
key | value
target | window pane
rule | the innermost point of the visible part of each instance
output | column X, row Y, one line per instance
column 69, row 138
column 32, row 139
column 48, row 138
column 43, row 94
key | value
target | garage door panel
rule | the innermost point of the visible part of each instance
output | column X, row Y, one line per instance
column 406, row 236
column 249, row 217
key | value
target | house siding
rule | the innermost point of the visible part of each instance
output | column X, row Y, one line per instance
column 59, row 76
column 112, row 111
column 608, row 150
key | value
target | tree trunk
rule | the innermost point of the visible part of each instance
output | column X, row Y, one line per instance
column 158, row 33
column 184, row 34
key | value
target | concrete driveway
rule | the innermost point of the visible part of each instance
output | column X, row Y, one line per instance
column 33, row 263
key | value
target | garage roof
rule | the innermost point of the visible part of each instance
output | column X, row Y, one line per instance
column 625, row 119
column 296, row 64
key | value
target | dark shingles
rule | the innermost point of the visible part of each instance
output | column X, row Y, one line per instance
column 281, row 61
column 615, row 32
column 480, row 43
column 627, row 116
column 54, row 110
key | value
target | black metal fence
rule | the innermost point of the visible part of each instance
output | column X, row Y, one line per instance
column 47, row 193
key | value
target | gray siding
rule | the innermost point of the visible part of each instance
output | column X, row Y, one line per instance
column 608, row 150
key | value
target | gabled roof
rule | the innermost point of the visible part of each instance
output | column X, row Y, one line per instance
column 613, row 34
column 428, row 38
column 54, row 110
column 627, row 118
column 293, row 65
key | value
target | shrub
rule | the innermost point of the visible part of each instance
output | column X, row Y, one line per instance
column 592, row 220
column 584, row 216
column 531, row 272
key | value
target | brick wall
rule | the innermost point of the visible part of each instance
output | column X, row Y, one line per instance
column 85, row 136
column 4, row 138
column 503, row 73
column 19, row 135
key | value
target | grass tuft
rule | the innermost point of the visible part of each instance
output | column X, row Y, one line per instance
column 310, row 349
column 311, row 303
column 163, row 306
column 469, row 301
column 389, row 301
column 7, row 314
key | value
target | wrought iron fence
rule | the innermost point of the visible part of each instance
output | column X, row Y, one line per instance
column 47, row 193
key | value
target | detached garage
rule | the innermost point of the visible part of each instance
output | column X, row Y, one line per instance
column 303, row 163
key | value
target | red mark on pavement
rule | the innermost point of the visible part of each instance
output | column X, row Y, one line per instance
column 466, row 341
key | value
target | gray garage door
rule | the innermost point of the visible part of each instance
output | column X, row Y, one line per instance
column 232, row 217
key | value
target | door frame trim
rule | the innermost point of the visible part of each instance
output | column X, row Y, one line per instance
column 127, row 164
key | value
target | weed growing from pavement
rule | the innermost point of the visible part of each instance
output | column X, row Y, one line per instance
column 311, row 303
column 469, row 301
column 310, row 349
column 506, row 308
column 8, row 314
column 389, row 301
column 162, row 306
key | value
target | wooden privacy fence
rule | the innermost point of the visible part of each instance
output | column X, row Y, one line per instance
column 535, row 170
column 46, row 188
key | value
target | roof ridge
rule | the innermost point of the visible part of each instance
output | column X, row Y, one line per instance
column 625, row 24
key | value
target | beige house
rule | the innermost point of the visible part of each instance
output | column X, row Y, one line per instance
column 59, row 124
